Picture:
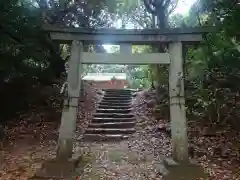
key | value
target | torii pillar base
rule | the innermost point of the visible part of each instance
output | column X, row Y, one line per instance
column 58, row 169
column 183, row 170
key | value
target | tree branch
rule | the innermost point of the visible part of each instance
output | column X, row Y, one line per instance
column 159, row 3
column 12, row 36
column 148, row 7
column 167, row 3
column 42, row 4
column 173, row 8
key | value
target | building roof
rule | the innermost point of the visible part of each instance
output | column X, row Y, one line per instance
column 104, row 76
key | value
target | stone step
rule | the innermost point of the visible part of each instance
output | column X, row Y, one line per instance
column 119, row 101
column 118, row 90
column 113, row 107
column 104, row 137
column 115, row 103
column 112, row 125
column 113, row 115
column 109, row 119
column 109, row 131
column 117, row 95
column 115, row 98
column 113, row 110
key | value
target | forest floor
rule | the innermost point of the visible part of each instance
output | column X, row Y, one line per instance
column 32, row 140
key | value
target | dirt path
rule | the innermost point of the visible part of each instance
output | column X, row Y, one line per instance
column 138, row 158
column 132, row 159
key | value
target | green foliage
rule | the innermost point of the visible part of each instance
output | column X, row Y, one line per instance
column 138, row 77
column 161, row 9
column 29, row 59
column 213, row 70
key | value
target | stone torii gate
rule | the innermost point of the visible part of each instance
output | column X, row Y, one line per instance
column 175, row 38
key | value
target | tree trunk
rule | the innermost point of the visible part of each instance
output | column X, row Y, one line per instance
column 162, row 24
column 153, row 21
column 152, row 78
column 162, row 19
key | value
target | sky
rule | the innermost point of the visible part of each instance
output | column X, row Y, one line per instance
column 182, row 8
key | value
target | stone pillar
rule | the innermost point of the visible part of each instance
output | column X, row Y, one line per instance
column 177, row 104
column 69, row 114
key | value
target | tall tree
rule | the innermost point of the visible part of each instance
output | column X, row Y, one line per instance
column 161, row 9
column 29, row 59
column 85, row 13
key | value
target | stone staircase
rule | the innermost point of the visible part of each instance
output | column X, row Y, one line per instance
column 113, row 119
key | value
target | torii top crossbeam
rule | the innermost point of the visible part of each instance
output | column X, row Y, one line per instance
column 133, row 36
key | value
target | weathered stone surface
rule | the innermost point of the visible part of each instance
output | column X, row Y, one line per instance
column 114, row 110
column 177, row 103
column 183, row 171
column 114, row 115
column 109, row 131
column 112, row 125
column 115, row 103
column 169, row 162
column 58, row 169
column 114, row 107
column 186, row 172
column 105, row 137
column 136, row 36
column 64, row 149
column 118, row 98
column 160, row 168
column 113, row 119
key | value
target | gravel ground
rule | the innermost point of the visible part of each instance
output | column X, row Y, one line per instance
column 138, row 158
column 141, row 156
